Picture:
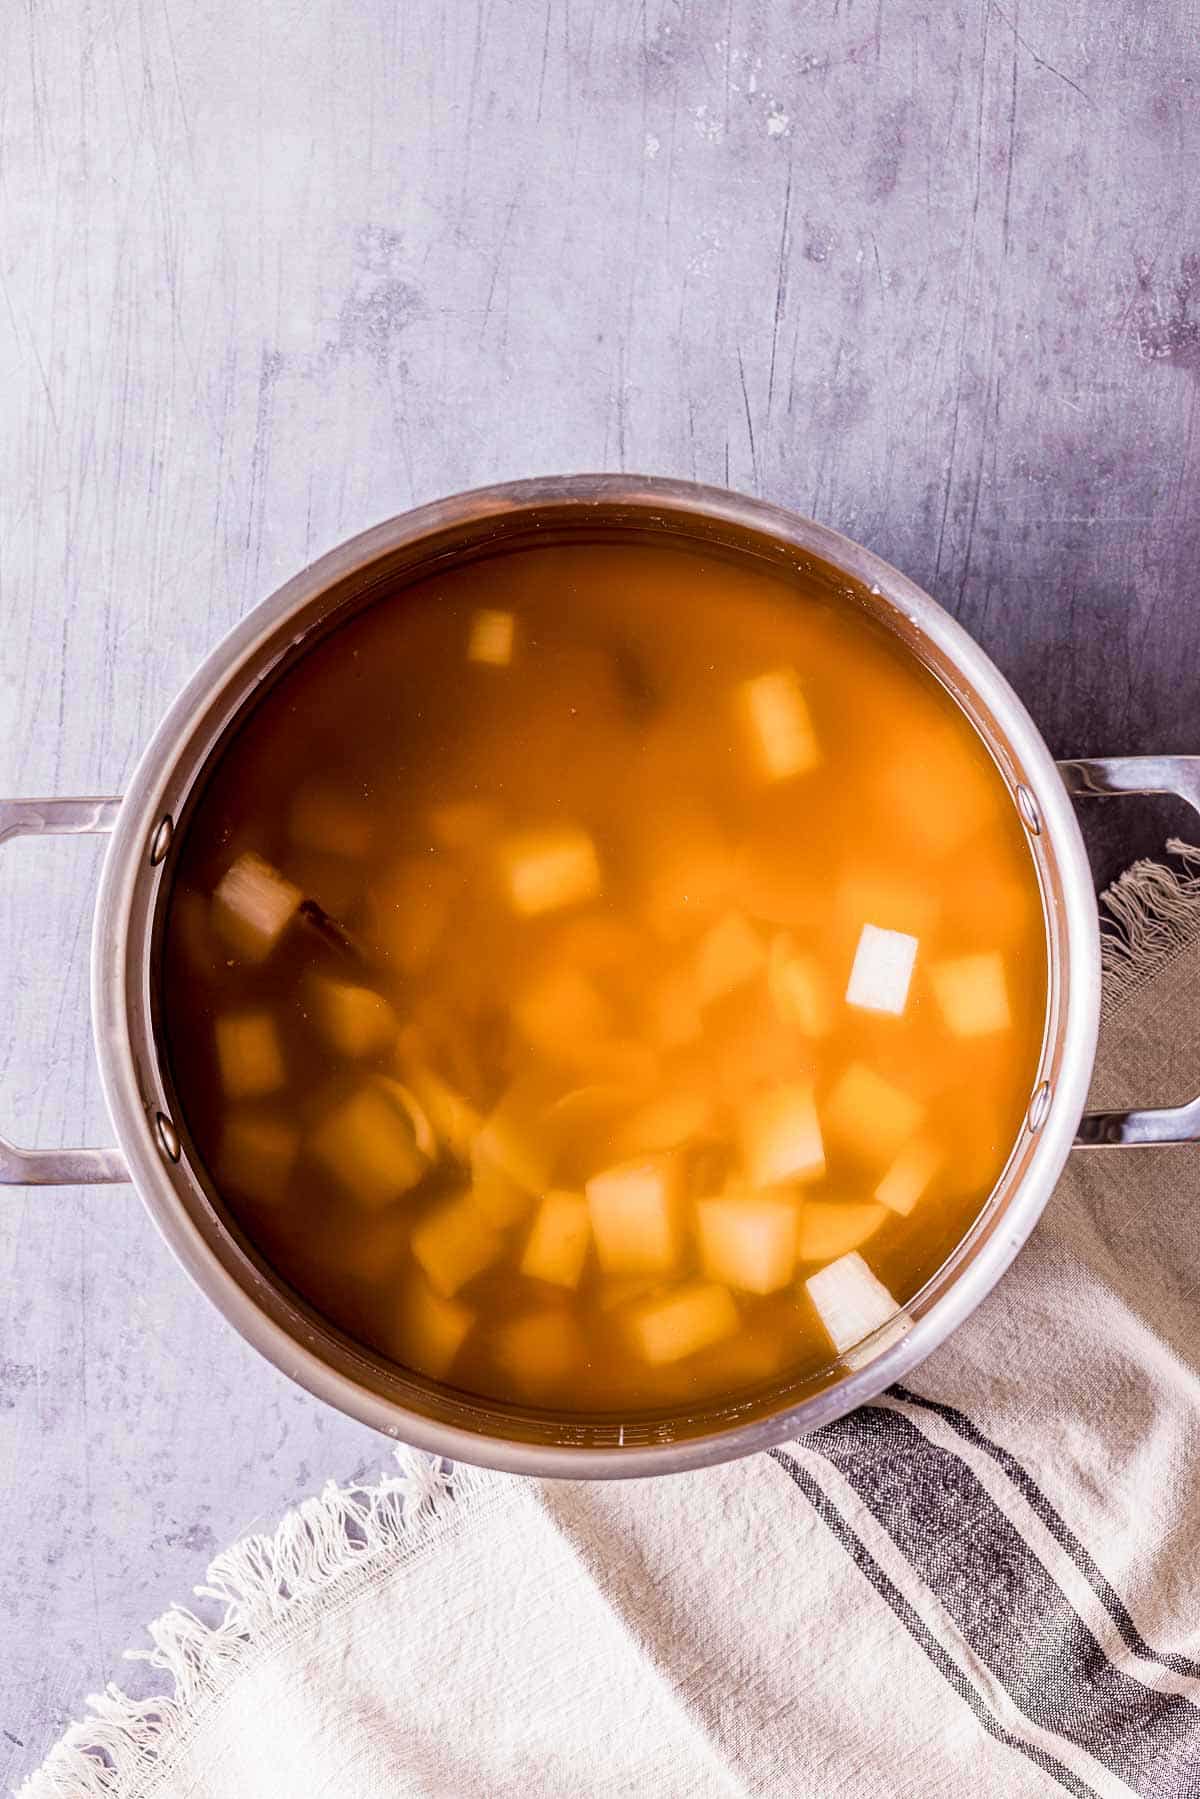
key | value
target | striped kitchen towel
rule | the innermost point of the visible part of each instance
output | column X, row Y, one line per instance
column 986, row 1582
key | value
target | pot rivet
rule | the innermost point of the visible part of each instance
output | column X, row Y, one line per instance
column 168, row 1137
column 160, row 843
column 1039, row 1105
column 1027, row 806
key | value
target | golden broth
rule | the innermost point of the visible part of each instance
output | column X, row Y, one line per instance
column 605, row 975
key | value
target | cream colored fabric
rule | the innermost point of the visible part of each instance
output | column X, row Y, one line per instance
column 985, row 1583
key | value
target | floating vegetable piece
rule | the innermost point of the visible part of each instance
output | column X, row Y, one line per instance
column 730, row 954
column 635, row 1216
column 539, row 1351
column 253, row 906
column 454, row 1243
column 674, row 1118
column 851, row 1301
column 562, row 1014
column 557, row 1246
column 777, row 719
column 748, row 1241
column 798, row 987
column 827, row 1228
column 882, row 971
column 409, row 908
column 546, row 870
column 491, row 638
column 368, row 1142
column 430, row 1330
column 682, row 1322
column 355, row 1021
column 257, row 1155
column 973, row 994
column 781, row 1136
column 249, row 1054
column 869, row 1116
column 909, row 1176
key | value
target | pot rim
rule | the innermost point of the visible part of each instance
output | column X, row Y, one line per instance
column 132, row 1090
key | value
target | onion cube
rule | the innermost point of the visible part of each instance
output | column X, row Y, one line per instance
column 664, row 1123
column 512, row 1153
column 682, row 1323
column 562, row 1014
column 830, row 1227
column 491, row 638
column 321, row 817
column 513, row 1137
column 908, row 1177
column 779, row 725
column 355, row 1021
column 430, row 1330
column 883, row 965
column 408, row 910
column 249, row 1054
column 868, row 1116
column 253, row 906
column 692, row 876
column 972, row 994
column 546, row 870
column 966, row 801
column 634, row 1213
column 556, row 1248
column 257, row 1154
column 730, row 954
column 539, row 1351
column 851, row 1301
column 368, row 1143
column 500, row 1199
column 748, row 1241
column 375, row 1252
column 781, row 1137
column 797, row 987
column 454, row 1243
column 673, row 1005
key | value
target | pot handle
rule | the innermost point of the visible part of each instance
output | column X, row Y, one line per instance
column 58, row 1167
column 1102, row 779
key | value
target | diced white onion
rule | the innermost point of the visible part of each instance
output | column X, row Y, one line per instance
column 851, row 1301
column 882, row 971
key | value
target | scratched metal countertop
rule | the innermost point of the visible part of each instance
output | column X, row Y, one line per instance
column 271, row 273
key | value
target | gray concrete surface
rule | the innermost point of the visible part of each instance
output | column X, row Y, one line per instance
column 269, row 273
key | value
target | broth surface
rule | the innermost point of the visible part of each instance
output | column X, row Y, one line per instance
column 605, row 975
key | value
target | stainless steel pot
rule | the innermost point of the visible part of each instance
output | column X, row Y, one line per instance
column 157, row 1156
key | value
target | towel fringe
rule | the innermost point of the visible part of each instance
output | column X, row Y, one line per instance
column 1153, row 914
column 257, row 1582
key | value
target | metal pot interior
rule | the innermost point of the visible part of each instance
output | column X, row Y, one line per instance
column 180, row 1193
